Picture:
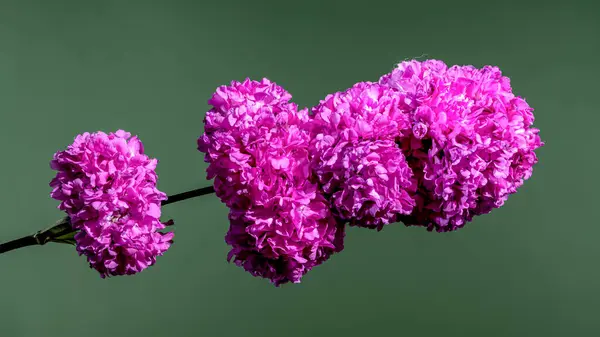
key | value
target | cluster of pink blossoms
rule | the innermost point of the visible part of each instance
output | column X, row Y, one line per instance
column 107, row 186
column 256, row 142
column 472, row 141
column 355, row 157
column 427, row 145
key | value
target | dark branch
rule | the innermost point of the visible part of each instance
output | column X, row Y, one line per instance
column 188, row 195
column 62, row 231
column 18, row 243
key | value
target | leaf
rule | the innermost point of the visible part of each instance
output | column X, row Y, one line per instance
column 68, row 238
column 61, row 232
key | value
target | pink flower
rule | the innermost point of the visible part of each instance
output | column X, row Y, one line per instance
column 241, row 114
column 285, row 238
column 360, row 167
column 107, row 186
column 415, row 80
column 369, row 182
column 471, row 143
column 256, row 144
column 365, row 111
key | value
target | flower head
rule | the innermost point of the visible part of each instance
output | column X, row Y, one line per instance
column 367, row 111
column 241, row 115
column 355, row 156
column 256, row 144
column 284, row 239
column 107, row 186
column 471, row 143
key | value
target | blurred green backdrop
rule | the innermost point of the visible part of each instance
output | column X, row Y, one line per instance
column 528, row 269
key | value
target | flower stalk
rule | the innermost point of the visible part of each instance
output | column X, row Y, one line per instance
column 62, row 231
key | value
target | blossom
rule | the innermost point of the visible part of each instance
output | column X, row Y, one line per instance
column 257, row 145
column 472, row 142
column 356, row 159
column 240, row 115
column 366, row 111
column 415, row 80
column 369, row 182
column 285, row 238
column 107, row 187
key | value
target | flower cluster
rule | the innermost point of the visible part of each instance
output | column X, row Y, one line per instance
column 240, row 117
column 355, row 156
column 256, row 144
column 107, row 186
column 472, row 141
column 428, row 145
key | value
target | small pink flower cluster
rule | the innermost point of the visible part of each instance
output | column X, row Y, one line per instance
column 427, row 145
column 107, row 186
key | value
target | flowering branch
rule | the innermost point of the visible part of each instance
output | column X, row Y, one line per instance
column 62, row 231
column 427, row 145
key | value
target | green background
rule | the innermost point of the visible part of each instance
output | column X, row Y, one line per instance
column 528, row 269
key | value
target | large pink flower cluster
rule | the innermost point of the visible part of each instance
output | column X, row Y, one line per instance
column 256, row 144
column 472, row 141
column 427, row 145
column 107, row 186
column 355, row 156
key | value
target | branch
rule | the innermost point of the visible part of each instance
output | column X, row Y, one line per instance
column 63, row 232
